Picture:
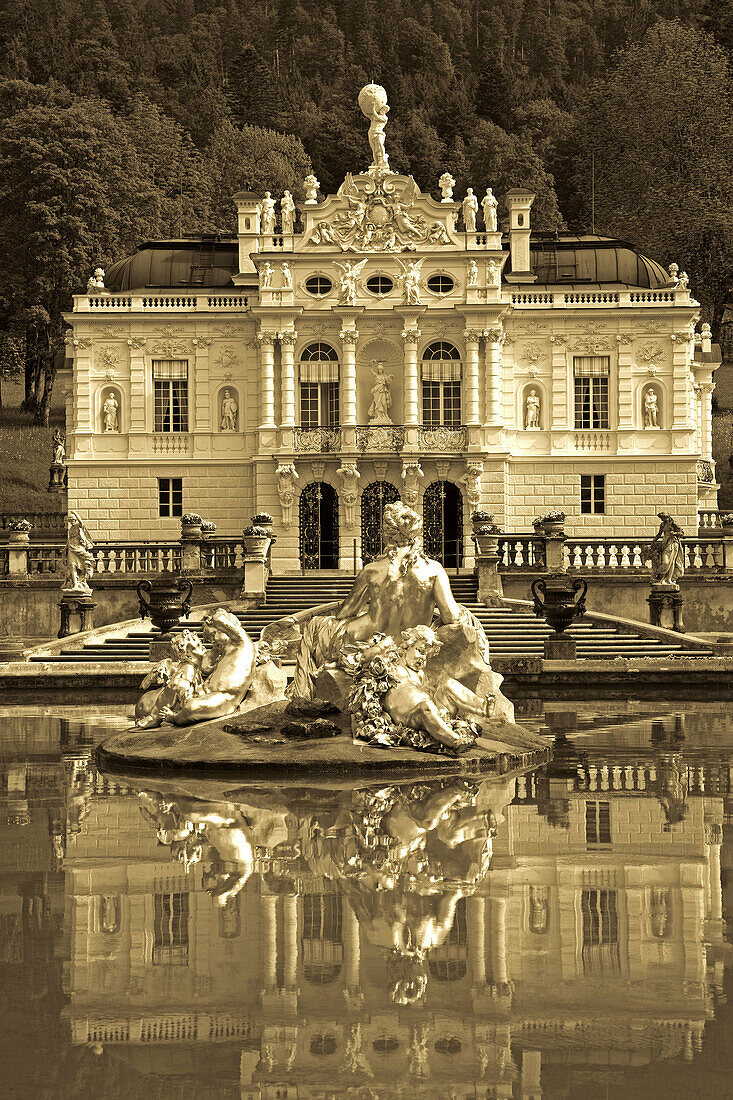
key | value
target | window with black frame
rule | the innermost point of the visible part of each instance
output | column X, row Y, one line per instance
column 170, row 388
column 591, row 375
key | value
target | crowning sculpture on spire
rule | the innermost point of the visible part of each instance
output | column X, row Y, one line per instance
column 373, row 103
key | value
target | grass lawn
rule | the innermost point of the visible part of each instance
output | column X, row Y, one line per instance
column 25, row 457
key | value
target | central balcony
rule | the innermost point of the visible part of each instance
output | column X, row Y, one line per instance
column 380, row 437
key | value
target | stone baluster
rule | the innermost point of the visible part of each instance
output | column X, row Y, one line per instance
column 287, row 383
column 494, row 340
column 473, row 340
column 266, row 341
column 411, row 388
column 349, row 338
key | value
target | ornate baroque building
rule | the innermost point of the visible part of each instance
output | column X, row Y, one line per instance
column 376, row 344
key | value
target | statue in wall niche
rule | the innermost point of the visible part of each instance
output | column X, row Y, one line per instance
column 373, row 103
column 287, row 213
column 287, row 276
column 267, row 214
column 229, row 412
column 109, row 412
column 489, row 206
column 381, row 396
column 350, row 478
column 667, row 552
column 492, row 272
column 58, row 449
column 532, row 408
column 410, row 280
column 95, row 282
column 651, row 408
column 412, row 475
column 470, row 210
column 472, row 481
column 266, row 277
column 446, row 183
column 472, row 275
column 310, row 187
column 346, row 290
column 287, row 476
column 79, row 558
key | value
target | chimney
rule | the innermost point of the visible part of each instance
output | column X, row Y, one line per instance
column 248, row 226
column 518, row 202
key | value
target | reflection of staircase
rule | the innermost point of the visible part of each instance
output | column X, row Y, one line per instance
column 511, row 632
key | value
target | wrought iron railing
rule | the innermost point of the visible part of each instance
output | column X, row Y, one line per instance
column 317, row 440
column 380, row 437
column 442, row 438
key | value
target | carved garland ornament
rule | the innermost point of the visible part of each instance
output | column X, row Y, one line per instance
column 649, row 355
column 533, row 354
column 227, row 359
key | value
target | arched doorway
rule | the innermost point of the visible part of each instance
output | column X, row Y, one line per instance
column 443, row 523
column 374, row 499
column 319, row 526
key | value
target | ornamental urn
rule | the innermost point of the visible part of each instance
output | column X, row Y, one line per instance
column 163, row 601
column 558, row 604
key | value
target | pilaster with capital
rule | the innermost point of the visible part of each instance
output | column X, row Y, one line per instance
column 411, row 388
column 559, row 383
column 494, row 340
column 201, row 410
column 625, row 387
column 349, row 338
column 266, row 343
column 287, row 379
column 473, row 341
column 680, row 383
column 82, row 391
column 706, row 413
column 138, row 387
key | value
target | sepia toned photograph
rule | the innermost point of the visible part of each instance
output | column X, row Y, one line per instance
column 366, row 550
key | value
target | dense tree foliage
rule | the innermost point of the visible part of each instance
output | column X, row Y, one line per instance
column 183, row 102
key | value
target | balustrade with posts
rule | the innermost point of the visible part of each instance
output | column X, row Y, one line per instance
column 711, row 553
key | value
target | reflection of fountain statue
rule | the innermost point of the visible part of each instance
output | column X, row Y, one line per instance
column 373, row 103
column 670, row 787
column 667, row 552
column 79, row 559
column 381, row 396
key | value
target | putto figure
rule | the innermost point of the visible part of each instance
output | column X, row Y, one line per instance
column 373, row 104
column 266, row 277
column 472, row 275
column 95, row 282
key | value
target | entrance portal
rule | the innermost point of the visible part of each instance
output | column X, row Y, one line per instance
column 319, row 526
column 374, row 499
column 443, row 523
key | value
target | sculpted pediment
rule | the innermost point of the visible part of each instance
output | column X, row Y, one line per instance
column 380, row 211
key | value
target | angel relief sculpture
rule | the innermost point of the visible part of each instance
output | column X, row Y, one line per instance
column 346, row 290
column 379, row 217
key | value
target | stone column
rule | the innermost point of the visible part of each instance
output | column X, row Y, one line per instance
column 473, row 339
column 268, row 939
column 290, row 906
column 494, row 341
column 411, row 387
column 706, row 413
column 287, row 379
column 713, row 840
column 476, row 913
column 352, row 948
column 349, row 338
column 266, row 342
column 499, row 973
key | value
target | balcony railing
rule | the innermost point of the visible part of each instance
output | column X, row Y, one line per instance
column 317, row 440
column 442, row 438
column 190, row 301
column 380, row 437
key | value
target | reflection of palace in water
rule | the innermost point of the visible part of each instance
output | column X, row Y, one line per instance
column 595, row 937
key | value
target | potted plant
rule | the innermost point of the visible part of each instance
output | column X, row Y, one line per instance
column 263, row 519
column 726, row 522
column 18, row 532
column 485, row 538
column 256, row 540
column 191, row 526
column 208, row 529
column 552, row 523
column 480, row 518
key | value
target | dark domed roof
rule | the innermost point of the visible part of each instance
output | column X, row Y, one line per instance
column 188, row 262
column 592, row 259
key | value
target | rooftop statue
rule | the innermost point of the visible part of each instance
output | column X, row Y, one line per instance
column 470, row 210
column 373, row 104
column 95, row 282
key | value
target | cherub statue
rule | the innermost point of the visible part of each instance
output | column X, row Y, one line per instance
column 177, row 678
column 287, row 476
column 287, row 213
column 346, row 290
column 489, row 206
column 58, row 448
column 532, row 410
column 266, row 277
column 470, row 210
column 673, row 274
column 684, row 283
column 229, row 412
column 287, row 275
column 667, row 552
column 381, row 396
column 472, row 275
column 310, row 187
column 233, row 665
column 651, row 408
column 267, row 214
column 373, row 104
column 79, row 559
column 410, row 279
column 492, row 270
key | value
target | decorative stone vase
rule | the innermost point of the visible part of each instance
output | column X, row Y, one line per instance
column 486, row 539
column 208, row 529
column 481, row 519
column 726, row 522
column 265, row 521
column 17, row 537
column 558, row 604
column 163, row 603
column 191, row 526
column 256, row 545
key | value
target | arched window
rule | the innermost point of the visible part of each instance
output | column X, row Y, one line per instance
column 448, row 963
column 319, row 386
column 441, row 385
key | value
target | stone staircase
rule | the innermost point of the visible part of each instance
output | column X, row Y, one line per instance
column 511, row 632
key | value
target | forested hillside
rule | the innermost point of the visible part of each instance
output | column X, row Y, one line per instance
column 121, row 119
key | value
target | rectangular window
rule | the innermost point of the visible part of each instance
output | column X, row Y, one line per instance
column 319, row 404
column 441, row 404
column 591, row 375
column 598, row 823
column 593, row 494
column 170, row 496
column 170, row 930
column 170, row 385
column 600, row 931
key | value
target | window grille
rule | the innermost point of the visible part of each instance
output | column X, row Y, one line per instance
column 591, row 375
column 170, row 930
column 592, row 494
column 170, row 496
column 170, row 385
column 598, row 822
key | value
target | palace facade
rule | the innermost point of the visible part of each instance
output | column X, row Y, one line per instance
column 376, row 344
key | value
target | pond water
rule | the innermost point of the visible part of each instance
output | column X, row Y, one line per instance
column 554, row 933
